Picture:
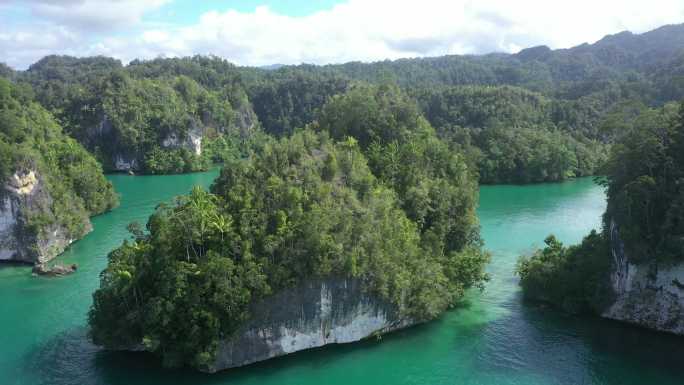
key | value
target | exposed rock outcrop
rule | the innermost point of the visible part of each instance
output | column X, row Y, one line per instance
column 124, row 162
column 314, row 314
column 9, row 216
column 192, row 140
column 23, row 195
column 118, row 156
column 245, row 119
column 22, row 184
column 53, row 271
column 647, row 294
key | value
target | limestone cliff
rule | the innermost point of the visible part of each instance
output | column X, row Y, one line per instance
column 116, row 155
column 24, row 196
column 647, row 294
column 311, row 315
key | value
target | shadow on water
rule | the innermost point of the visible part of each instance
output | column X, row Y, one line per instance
column 555, row 347
column 69, row 358
column 567, row 349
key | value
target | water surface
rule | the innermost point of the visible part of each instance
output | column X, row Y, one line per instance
column 493, row 339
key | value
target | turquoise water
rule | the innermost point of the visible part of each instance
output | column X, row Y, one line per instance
column 494, row 339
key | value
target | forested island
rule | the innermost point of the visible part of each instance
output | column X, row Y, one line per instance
column 348, row 191
column 632, row 270
column 303, row 209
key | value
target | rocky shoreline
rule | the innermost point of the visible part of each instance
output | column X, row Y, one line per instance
column 314, row 314
column 43, row 269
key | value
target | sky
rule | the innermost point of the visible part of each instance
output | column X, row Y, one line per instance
column 264, row 32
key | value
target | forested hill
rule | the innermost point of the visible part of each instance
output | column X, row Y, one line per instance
column 654, row 60
column 629, row 51
column 6, row 71
column 655, row 57
column 511, row 113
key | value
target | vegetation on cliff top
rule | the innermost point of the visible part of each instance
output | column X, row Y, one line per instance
column 31, row 140
column 149, row 120
column 539, row 115
column 150, row 116
column 301, row 208
column 645, row 188
column 645, row 180
column 435, row 187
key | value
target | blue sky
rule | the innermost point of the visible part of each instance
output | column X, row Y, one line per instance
column 182, row 12
column 186, row 12
column 262, row 32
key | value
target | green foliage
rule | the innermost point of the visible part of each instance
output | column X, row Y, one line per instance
column 645, row 175
column 6, row 71
column 301, row 208
column 371, row 114
column 210, row 72
column 30, row 140
column 229, row 147
column 59, row 79
column 158, row 120
column 290, row 99
column 509, row 134
column 433, row 183
column 644, row 179
column 571, row 278
column 149, row 112
column 574, row 99
column 179, row 290
column 484, row 106
column 525, row 154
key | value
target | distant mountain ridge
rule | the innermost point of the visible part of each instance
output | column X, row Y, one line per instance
column 622, row 48
column 657, row 55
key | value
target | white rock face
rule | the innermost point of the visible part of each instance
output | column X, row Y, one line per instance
column 103, row 128
column 312, row 315
column 363, row 321
column 171, row 141
column 192, row 143
column 22, row 184
column 19, row 185
column 195, row 142
column 25, row 193
column 8, row 219
column 122, row 163
column 649, row 295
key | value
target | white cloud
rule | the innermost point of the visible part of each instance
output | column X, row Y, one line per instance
column 365, row 29
column 92, row 15
column 21, row 48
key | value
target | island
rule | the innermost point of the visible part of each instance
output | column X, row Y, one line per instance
column 315, row 238
column 632, row 270
column 50, row 184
